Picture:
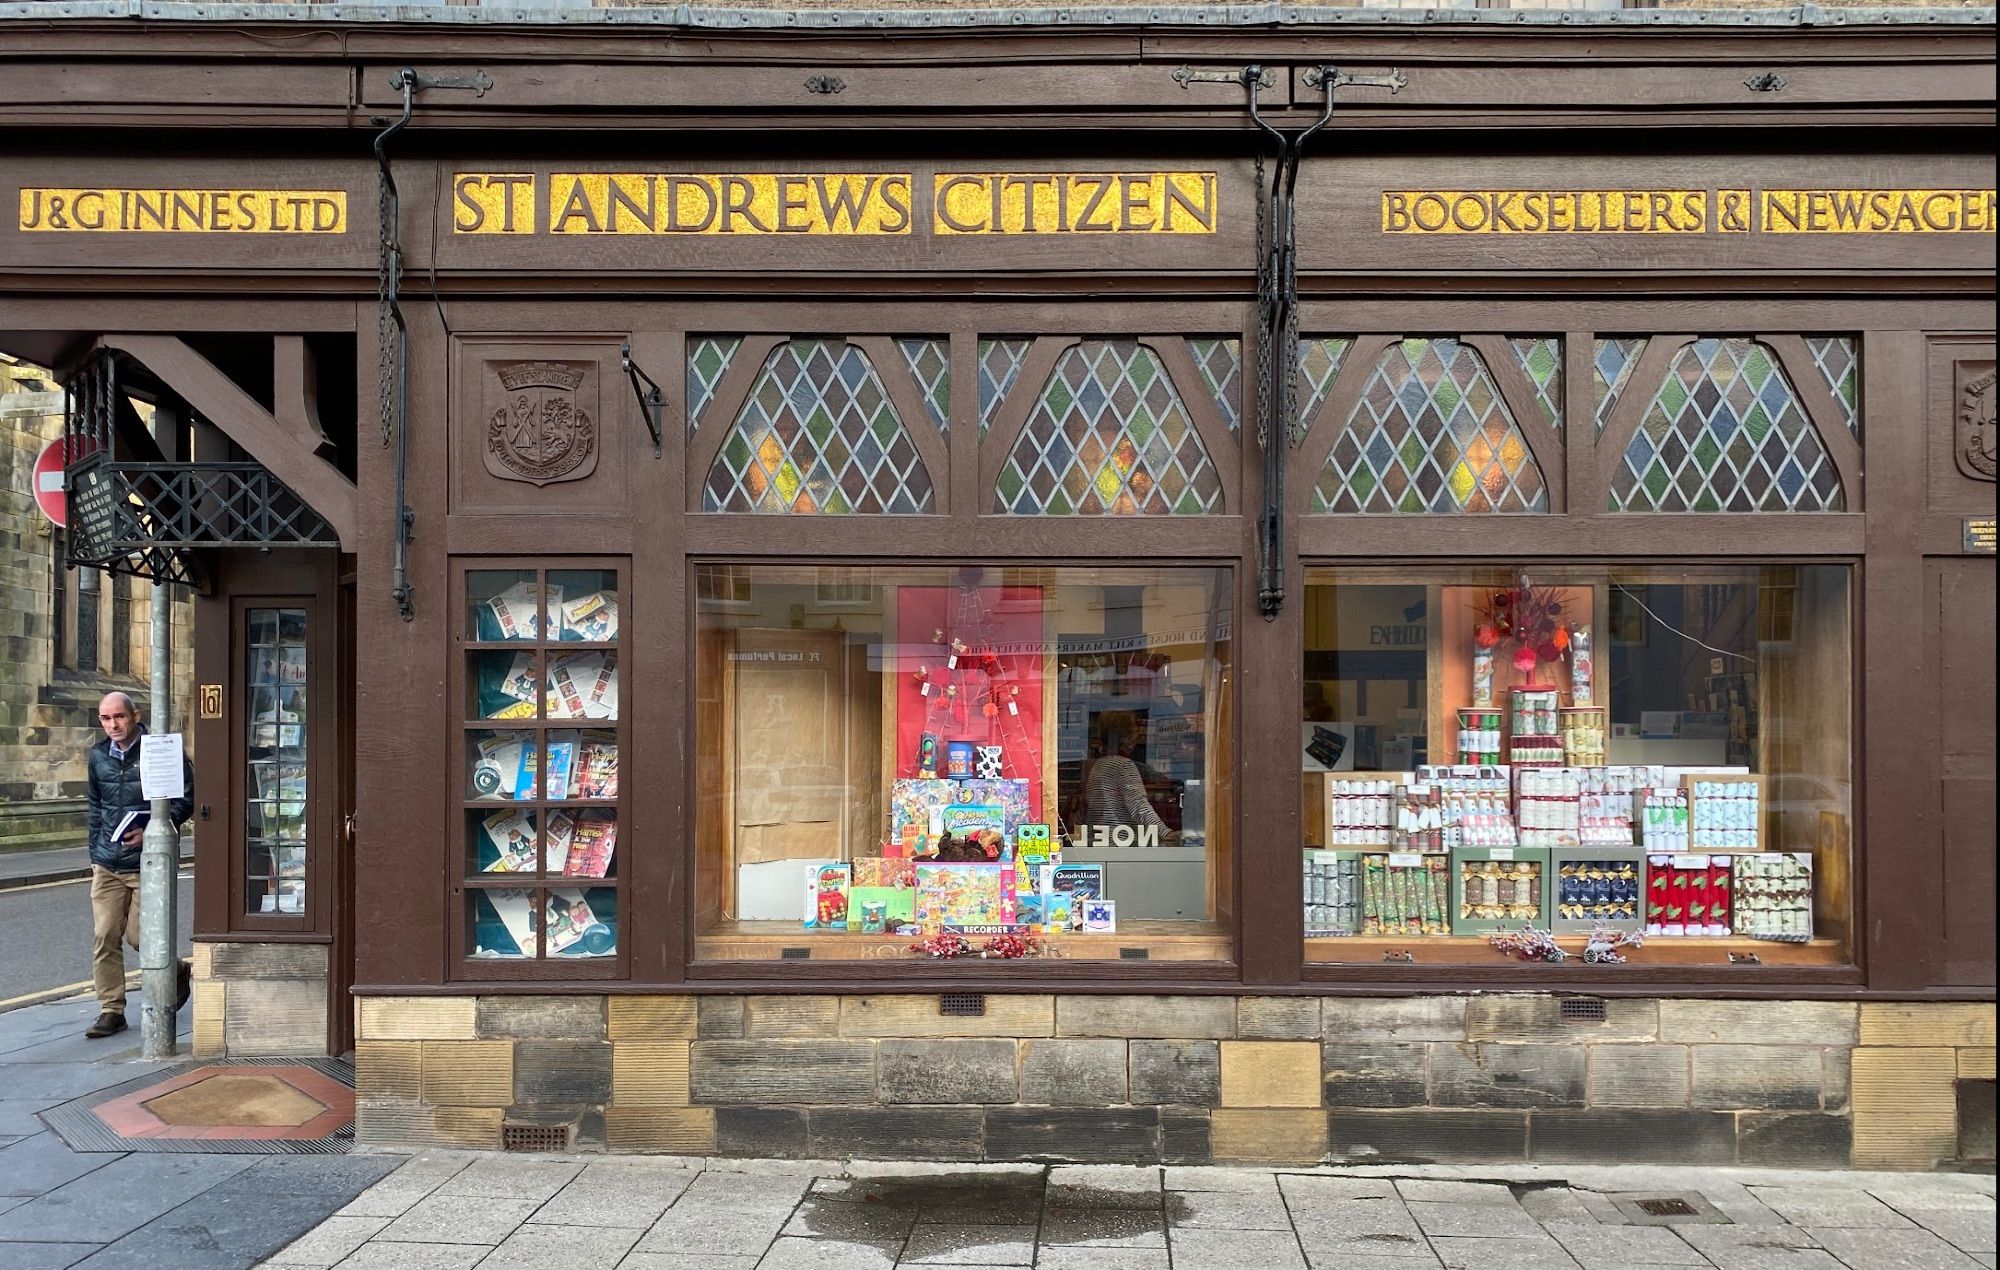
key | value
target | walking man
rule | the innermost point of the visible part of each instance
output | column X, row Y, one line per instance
column 114, row 856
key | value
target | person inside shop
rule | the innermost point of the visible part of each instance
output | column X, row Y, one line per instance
column 1114, row 789
column 114, row 793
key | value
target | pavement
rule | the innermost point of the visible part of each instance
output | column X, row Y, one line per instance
column 437, row 1210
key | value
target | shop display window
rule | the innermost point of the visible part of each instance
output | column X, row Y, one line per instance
column 541, row 743
column 1594, row 752
column 1033, row 758
column 276, row 735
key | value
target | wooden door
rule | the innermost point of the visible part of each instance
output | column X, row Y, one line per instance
column 1960, row 633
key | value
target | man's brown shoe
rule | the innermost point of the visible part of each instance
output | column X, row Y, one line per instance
column 107, row 1024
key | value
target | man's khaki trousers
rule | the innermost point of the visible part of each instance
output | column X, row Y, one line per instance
column 114, row 921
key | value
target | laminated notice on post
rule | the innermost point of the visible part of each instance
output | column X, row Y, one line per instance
column 160, row 770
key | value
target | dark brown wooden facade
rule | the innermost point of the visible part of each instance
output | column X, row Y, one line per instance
column 230, row 105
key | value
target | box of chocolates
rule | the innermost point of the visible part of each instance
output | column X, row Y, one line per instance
column 1725, row 813
column 1495, row 887
column 1688, row 894
column 1605, row 885
column 1774, row 895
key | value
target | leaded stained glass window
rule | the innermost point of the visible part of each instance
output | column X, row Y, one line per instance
column 1725, row 433
column 1320, row 358
column 999, row 366
column 1220, row 362
column 1611, row 363
column 1542, row 362
column 1109, row 436
column 1840, row 366
column 708, row 359
column 1430, row 435
column 930, row 366
column 818, row 435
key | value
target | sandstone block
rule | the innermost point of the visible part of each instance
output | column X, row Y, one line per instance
column 1356, row 1019
column 1538, row 1017
column 542, row 1018
column 911, row 1015
column 1176, row 1018
column 650, row 1018
column 677, row 1130
column 416, row 1018
column 1758, row 1022
column 468, row 1073
column 719, row 1018
column 1184, row 1073
column 944, row 1071
column 1072, row 1072
column 1270, row 1074
column 1638, row 1076
column 649, row 1073
column 1482, row 1074
column 782, row 1071
column 562, row 1072
column 791, row 1016
column 1756, row 1077
column 1383, row 1074
column 1278, row 1018
column 390, row 1070
column 1927, row 1024
column 1246, row 1136
column 1905, row 1109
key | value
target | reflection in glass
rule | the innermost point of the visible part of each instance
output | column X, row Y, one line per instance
column 274, row 822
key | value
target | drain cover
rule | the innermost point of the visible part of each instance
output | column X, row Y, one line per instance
column 1651, row 1208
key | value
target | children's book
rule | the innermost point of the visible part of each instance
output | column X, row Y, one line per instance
column 516, row 911
column 511, row 834
column 591, row 847
column 557, row 841
column 569, row 916
column 595, row 772
column 562, row 754
column 827, row 887
column 592, row 618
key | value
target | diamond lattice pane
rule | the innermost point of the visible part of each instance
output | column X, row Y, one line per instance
column 999, row 366
column 1320, row 357
column 1726, row 433
column 1220, row 362
column 1429, row 435
column 1611, row 363
column 818, row 435
column 1840, row 365
column 1541, row 360
column 708, row 359
column 930, row 366
column 1109, row 437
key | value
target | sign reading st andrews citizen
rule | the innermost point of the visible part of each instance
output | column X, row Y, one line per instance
column 1722, row 211
column 835, row 203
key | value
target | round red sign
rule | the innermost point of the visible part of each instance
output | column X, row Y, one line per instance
column 48, row 482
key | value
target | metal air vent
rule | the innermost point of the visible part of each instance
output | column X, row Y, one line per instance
column 962, row 1005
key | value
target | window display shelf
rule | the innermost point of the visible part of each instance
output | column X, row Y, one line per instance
column 1455, row 950
column 773, row 940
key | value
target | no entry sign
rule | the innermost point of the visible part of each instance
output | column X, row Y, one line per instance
column 48, row 477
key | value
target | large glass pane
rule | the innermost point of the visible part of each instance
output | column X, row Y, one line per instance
column 1582, row 750
column 889, row 753
column 274, row 820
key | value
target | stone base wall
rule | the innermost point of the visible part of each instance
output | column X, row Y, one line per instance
column 1219, row 1079
column 259, row 1000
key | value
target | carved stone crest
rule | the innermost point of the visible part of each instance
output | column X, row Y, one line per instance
column 541, row 433
column 1972, row 442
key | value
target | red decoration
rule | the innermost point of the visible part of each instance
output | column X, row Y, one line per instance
column 1529, row 617
column 949, row 945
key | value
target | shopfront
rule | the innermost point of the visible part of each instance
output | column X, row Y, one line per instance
column 864, row 610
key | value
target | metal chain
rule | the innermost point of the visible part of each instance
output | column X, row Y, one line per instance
column 1264, row 295
column 385, row 339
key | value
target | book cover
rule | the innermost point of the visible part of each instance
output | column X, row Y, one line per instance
column 885, row 871
column 570, row 677
column 591, row 847
column 595, row 772
column 511, row 835
column 592, row 618
column 557, row 840
column 516, row 911
column 561, row 755
column 569, row 916
column 827, row 887
column 965, row 894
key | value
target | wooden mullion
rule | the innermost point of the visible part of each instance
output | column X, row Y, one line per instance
column 1583, row 491
column 963, row 442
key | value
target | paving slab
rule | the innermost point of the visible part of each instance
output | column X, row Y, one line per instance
column 1828, row 1206
column 1759, row 1248
column 1538, row 1253
column 396, row 1194
column 791, row 1253
column 1235, row 1249
column 20, row 1256
column 109, row 1202
column 512, row 1177
column 1307, row 1190
column 615, row 1193
column 1970, row 1230
column 407, row 1256
column 560, row 1248
column 1340, row 1259
column 820, row 1217
column 1599, row 1247
column 459, row 1219
column 1383, row 1220
column 970, row 1245
column 1103, row 1228
column 686, row 1231
column 1101, row 1259
column 1865, row 1249
column 1482, row 1220
column 1105, row 1186
column 329, row 1242
column 684, row 1261
column 1449, row 1192
column 41, row 1162
column 1227, row 1210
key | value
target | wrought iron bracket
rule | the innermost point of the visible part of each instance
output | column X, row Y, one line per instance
column 479, row 83
column 645, row 391
column 1267, row 77
column 1318, row 76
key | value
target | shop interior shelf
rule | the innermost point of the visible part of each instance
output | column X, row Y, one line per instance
column 1660, row 950
column 769, row 940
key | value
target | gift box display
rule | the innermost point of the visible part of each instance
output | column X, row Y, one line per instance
column 1663, row 819
column 1479, row 735
column 1403, row 894
column 1688, row 894
column 1584, row 730
column 1534, row 729
column 1774, row 895
column 1548, row 806
column 1492, row 887
column 1594, row 885
column 1361, row 807
column 1333, row 893
column 1725, row 813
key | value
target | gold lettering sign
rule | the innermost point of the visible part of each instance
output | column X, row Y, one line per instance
column 1073, row 202
column 131, row 211
column 1545, row 211
column 1727, row 211
column 686, row 203
column 1877, row 212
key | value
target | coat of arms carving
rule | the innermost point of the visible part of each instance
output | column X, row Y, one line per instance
column 1972, row 442
column 541, row 433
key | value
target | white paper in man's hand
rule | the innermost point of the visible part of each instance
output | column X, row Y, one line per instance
column 160, row 771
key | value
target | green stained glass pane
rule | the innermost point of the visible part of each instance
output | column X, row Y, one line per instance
column 930, row 365
column 1109, row 435
column 708, row 360
column 1320, row 359
column 999, row 366
column 1541, row 359
column 1430, row 434
column 1725, row 432
column 818, row 436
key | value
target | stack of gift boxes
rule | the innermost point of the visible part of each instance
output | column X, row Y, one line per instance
column 1467, row 850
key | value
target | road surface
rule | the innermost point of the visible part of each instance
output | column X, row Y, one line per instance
column 45, row 932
